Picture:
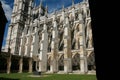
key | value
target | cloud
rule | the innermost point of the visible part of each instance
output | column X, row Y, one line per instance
column 7, row 9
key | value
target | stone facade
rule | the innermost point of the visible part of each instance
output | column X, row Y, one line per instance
column 61, row 40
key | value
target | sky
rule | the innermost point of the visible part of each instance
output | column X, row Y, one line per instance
column 52, row 5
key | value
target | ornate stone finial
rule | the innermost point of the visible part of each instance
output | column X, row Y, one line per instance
column 54, row 11
column 40, row 3
column 45, row 19
column 63, row 9
column 34, row 5
column 46, row 10
column 54, row 15
column 46, row 13
column 72, row 3
column 67, row 14
column 79, row 11
column 46, row 7
column 85, row 0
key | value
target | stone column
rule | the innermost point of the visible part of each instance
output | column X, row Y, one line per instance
column 15, row 5
column 21, row 44
column 20, row 64
column 8, row 65
column 83, row 56
column 9, row 51
column 67, row 48
column 83, row 60
column 84, row 7
column 32, row 45
column 73, row 10
column 43, row 50
column 20, row 5
column 89, row 34
column 54, row 48
column 30, row 65
column 20, row 50
column 36, row 42
column 73, row 13
column 63, row 13
column 30, row 7
column 26, row 45
column 76, row 33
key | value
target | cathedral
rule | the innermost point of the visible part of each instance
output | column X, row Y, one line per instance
column 57, row 41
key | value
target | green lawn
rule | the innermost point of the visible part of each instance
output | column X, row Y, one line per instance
column 26, row 76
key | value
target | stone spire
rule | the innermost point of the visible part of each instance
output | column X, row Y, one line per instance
column 73, row 3
column 46, row 10
column 34, row 8
column 54, row 12
column 67, row 46
column 40, row 7
column 40, row 3
column 79, row 11
column 63, row 9
column 63, row 12
column 83, row 57
column 35, row 5
column 85, row 0
column 54, row 46
column 43, row 48
column 73, row 10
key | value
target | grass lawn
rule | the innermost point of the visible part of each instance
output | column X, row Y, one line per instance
column 26, row 76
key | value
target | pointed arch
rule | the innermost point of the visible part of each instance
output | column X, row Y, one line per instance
column 61, row 62
column 23, row 47
column 91, row 61
column 76, row 61
column 30, row 44
column 48, row 62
